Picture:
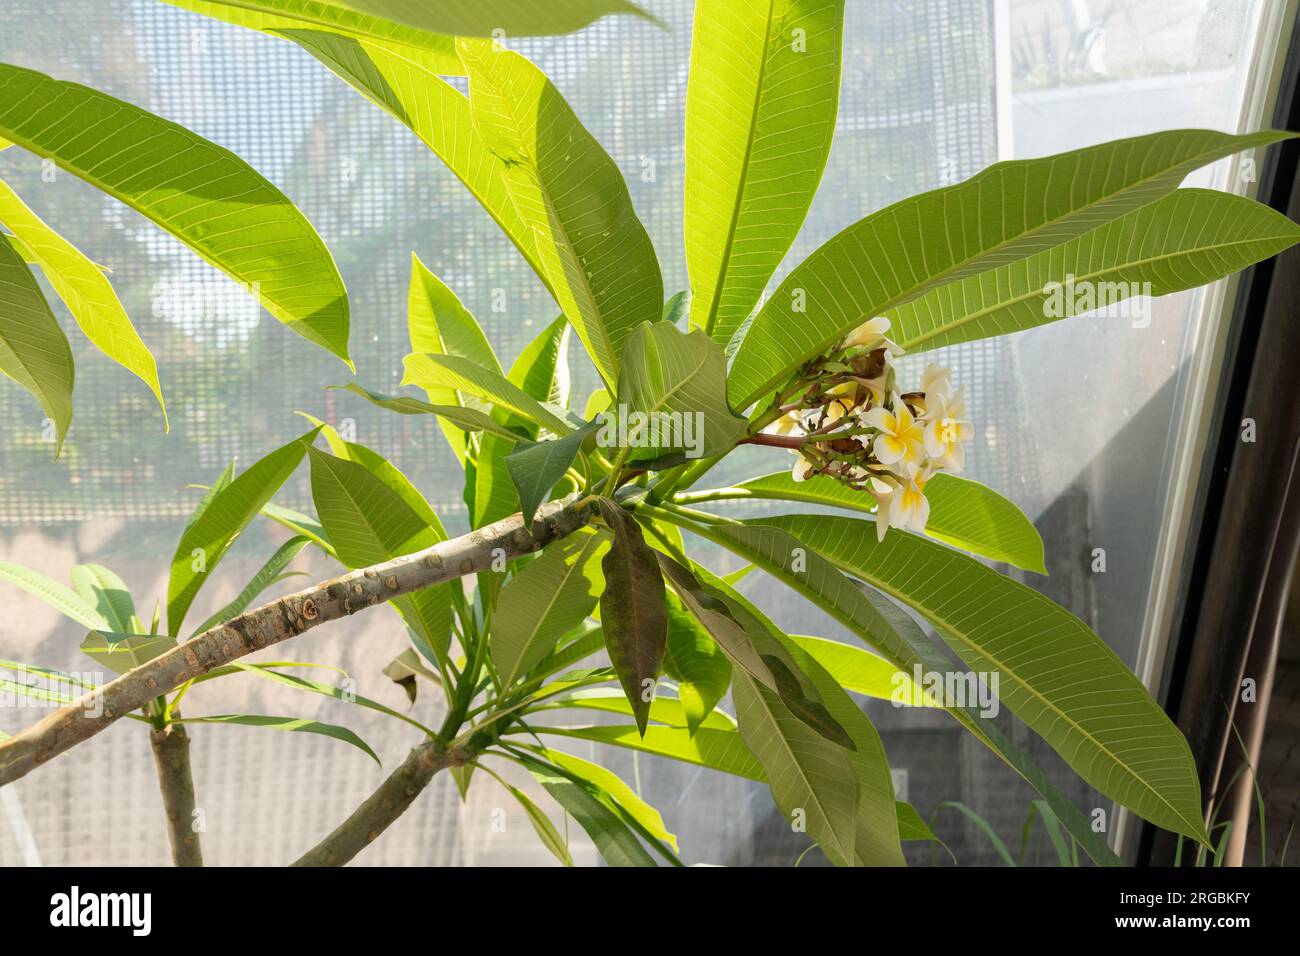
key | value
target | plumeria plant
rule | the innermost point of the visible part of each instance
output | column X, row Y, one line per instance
column 579, row 588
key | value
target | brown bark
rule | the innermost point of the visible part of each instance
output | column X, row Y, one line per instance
column 171, row 756
column 383, row 806
column 277, row 621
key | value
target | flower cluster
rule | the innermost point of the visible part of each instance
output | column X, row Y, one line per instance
column 855, row 426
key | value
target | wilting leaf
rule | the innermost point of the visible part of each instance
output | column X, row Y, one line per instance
column 807, row 773
column 632, row 610
column 67, row 602
column 458, row 417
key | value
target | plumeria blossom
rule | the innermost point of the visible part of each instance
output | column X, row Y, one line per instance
column 946, row 429
column 870, row 335
column 900, row 504
column 845, row 417
column 899, row 441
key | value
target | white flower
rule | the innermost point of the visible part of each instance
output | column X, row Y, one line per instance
column 870, row 335
column 947, row 427
column 937, row 379
column 791, row 423
column 900, row 443
column 801, row 468
column 900, row 505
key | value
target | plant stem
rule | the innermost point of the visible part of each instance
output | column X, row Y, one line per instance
column 171, row 757
column 385, row 805
column 278, row 621
column 776, row 441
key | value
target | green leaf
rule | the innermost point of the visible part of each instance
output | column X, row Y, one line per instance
column 663, row 709
column 676, row 308
column 537, row 468
column 885, row 627
column 1187, row 239
column 347, row 696
column 439, row 324
column 701, row 668
column 613, row 786
column 204, row 195
column 406, row 84
column 267, row 575
column 99, row 586
column 478, row 18
column 876, row 840
column 84, row 289
column 963, row 513
column 210, row 492
column 492, row 18
column 297, row 725
column 590, row 640
column 594, row 252
column 983, row 826
column 760, row 114
column 431, row 371
column 863, row 672
column 812, row 779
column 386, row 472
column 710, row 747
column 910, row 824
column 753, row 643
column 549, row 597
column 632, row 609
column 679, row 383
column 299, row 523
column 67, row 602
column 615, row 842
column 542, row 372
column 205, row 542
column 1010, row 211
column 1055, row 673
column 123, row 652
column 460, row 418
column 34, row 352
column 542, row 369
column 436, row 50
column 368, row 520
column 542, row 825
